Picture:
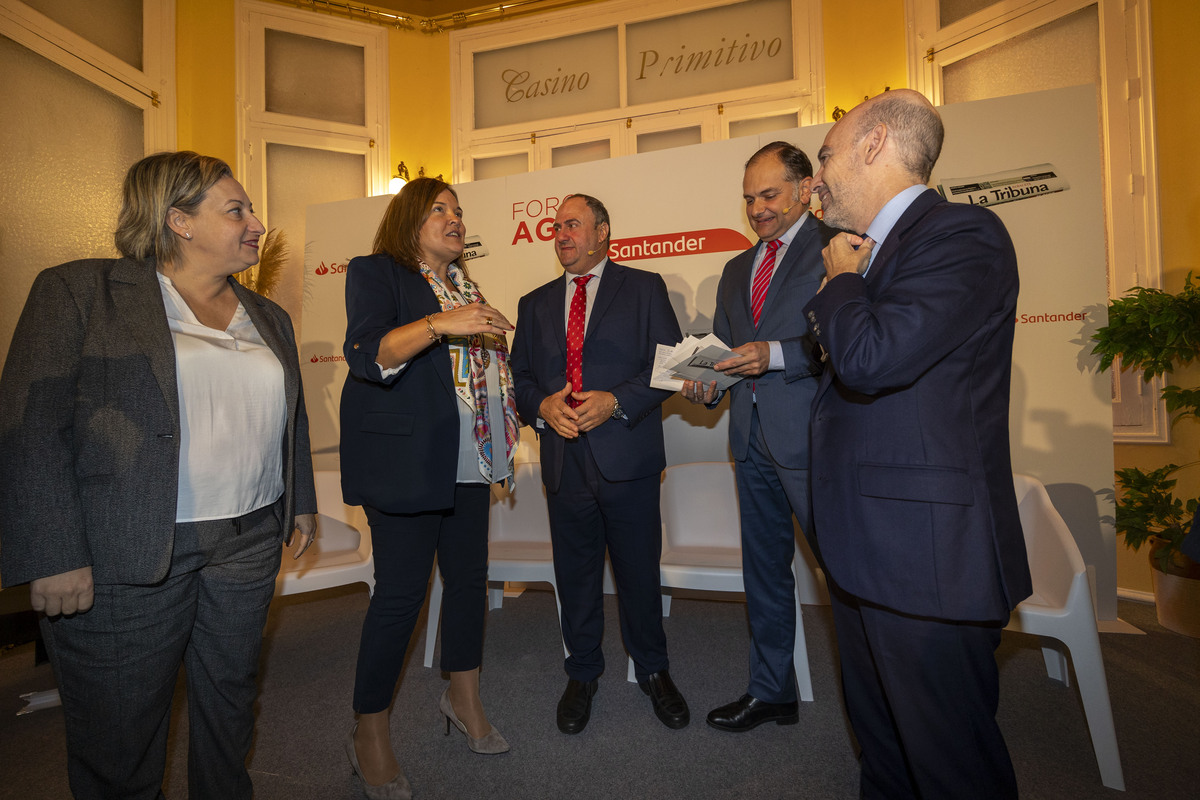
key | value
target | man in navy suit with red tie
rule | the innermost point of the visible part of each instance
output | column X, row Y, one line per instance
column 582, row 356
column 758, row 314
column 912, row 481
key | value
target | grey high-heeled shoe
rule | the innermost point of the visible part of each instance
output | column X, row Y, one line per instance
column 395, row 789
column 491, row 743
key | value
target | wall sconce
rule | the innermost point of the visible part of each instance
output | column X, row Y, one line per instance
column 421, row 174
column 402, row 177
column 399, row 179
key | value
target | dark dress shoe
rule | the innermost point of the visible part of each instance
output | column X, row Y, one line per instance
column 575, row 707
column 668, row 703
column 749, row 712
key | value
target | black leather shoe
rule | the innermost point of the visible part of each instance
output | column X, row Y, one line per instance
column 668, row 703
column 749, row 712
column 575, row 707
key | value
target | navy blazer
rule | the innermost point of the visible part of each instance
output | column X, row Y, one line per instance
column 399, row 435
column 89, row 425
column 630, row 316
column 783, row 396
column 912, row 479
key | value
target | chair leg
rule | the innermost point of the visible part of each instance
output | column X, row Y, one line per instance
column 1056, row 663
column 800, row 653
column 629, row 676
column 666, row 603
column 810, row 581
column 558, row 604
column 435, row 616
column 1093, row 691
column 495, row 597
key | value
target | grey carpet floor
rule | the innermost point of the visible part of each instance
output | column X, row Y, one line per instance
column 304, row 716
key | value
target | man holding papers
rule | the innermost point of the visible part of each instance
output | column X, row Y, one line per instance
column 759, row 302
column 582, row 357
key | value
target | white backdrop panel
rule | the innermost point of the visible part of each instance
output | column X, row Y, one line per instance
column 1061, row 417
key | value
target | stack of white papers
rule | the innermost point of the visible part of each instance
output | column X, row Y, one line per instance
column 692, row 359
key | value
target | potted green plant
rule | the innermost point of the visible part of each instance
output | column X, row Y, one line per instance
column 1158, row 332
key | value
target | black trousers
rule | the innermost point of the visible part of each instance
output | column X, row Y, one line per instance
column 404, row 546
column 587, row 515
column 922, row 695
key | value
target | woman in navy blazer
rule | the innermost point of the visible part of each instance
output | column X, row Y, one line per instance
column 428, row 422
column 153, row 455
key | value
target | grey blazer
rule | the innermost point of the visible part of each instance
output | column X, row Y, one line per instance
column 89, row 425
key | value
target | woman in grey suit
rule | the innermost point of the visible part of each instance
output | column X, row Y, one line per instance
column 153, row 456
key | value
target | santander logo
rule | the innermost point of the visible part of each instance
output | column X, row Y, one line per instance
column 686, row 243
column 332, row 268
column 320, row 359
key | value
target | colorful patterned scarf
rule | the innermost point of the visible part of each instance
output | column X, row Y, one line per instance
column 467, row 354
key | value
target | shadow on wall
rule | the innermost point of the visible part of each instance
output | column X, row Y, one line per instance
column 1040, row 450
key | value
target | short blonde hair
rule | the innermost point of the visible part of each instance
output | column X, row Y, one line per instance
column 155, row 185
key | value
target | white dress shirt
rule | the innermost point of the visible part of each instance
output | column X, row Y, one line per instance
column 232, row 414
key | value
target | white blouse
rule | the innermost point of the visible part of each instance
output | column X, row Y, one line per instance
column 232, row 414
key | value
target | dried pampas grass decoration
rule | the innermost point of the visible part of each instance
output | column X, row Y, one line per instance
column 272, row 259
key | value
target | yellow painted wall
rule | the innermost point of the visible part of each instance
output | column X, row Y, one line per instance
column 1175, row 26
column 420, row 101
column 864, row 50
column 205, row 76
column 419, row 80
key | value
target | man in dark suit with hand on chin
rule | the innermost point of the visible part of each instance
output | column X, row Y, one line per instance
column 758, row 313
column 582, row 356
column 912, row 480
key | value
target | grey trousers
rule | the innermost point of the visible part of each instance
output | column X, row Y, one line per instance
column 117, row 664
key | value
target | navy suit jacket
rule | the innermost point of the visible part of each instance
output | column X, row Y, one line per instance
column 912, row 480
column 783, row 395
column 399, row 435
column 630, row 316
column 89, row 425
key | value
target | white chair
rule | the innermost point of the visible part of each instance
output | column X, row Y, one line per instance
column 340, row 555
column 1061, row 608
column 702, row 544
column 518, row 547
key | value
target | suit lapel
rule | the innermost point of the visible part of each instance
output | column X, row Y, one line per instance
column 556, row 312
column 891, row 244
column 610, row 285
column 138, row 297
column 739, row 284
column 267, row 328
column 882, row 263
column 418, row 296
column 789, row 266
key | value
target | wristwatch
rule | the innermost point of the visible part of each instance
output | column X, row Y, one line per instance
column 617, row 413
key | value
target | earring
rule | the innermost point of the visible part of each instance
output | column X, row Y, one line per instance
column 188, row 235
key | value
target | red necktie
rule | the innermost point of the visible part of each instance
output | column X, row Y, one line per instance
column 575, row 329
column 762, row 279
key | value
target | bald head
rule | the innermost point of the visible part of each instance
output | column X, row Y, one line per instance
column 912, row 122
column 879, row 149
